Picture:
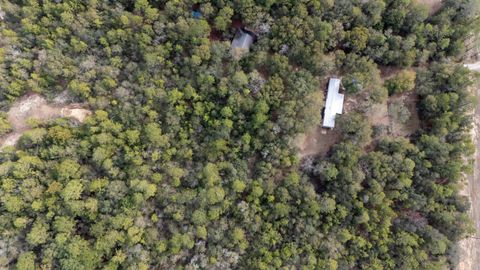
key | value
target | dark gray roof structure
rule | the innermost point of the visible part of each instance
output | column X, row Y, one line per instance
column 242, row 42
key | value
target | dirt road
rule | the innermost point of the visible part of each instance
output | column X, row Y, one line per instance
column 470, row 247
column 34, row 106
column 474, row 66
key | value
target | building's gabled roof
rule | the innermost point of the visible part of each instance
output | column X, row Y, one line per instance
column 334, row 103
column 242, row 40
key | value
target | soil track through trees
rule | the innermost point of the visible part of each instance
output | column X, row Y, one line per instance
column 470, row 247
column 34, row 106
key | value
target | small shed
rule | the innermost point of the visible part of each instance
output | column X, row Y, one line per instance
column 334, row 103
column 196, row 14
column 242, row 42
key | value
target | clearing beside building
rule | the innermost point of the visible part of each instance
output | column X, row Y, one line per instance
column 319, row 140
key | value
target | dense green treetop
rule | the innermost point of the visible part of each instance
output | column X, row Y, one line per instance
column 187, row 161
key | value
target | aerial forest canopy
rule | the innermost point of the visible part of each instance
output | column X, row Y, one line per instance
column 187, row 161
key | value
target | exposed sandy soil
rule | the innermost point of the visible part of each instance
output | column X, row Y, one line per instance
column 34, row 106
column 470, row 247
column 472, row 46
column 474, row 66
column 317, row 141
column 433, row 5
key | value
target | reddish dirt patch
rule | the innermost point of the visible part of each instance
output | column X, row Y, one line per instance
column 237, row 23
column 215, row 35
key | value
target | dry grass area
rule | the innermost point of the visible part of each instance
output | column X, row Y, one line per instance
column 378, row 114
column 34, row 106
column 404, row 130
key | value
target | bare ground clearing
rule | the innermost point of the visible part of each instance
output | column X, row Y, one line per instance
column 34, row 106
column 317, row 141
column 378, row 114
column 474, row 66
column 433, row 5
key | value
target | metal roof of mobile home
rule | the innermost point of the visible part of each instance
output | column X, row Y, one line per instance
column 334, row 103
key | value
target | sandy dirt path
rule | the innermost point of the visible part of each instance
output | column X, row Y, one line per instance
column 474, row 66
column 470, row 247
column 34, row 106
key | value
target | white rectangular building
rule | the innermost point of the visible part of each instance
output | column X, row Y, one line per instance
column 334, row 103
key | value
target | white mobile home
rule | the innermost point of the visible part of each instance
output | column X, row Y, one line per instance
column 334, row 103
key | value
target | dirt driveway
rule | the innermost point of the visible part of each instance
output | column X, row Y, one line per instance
column 470, row 247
